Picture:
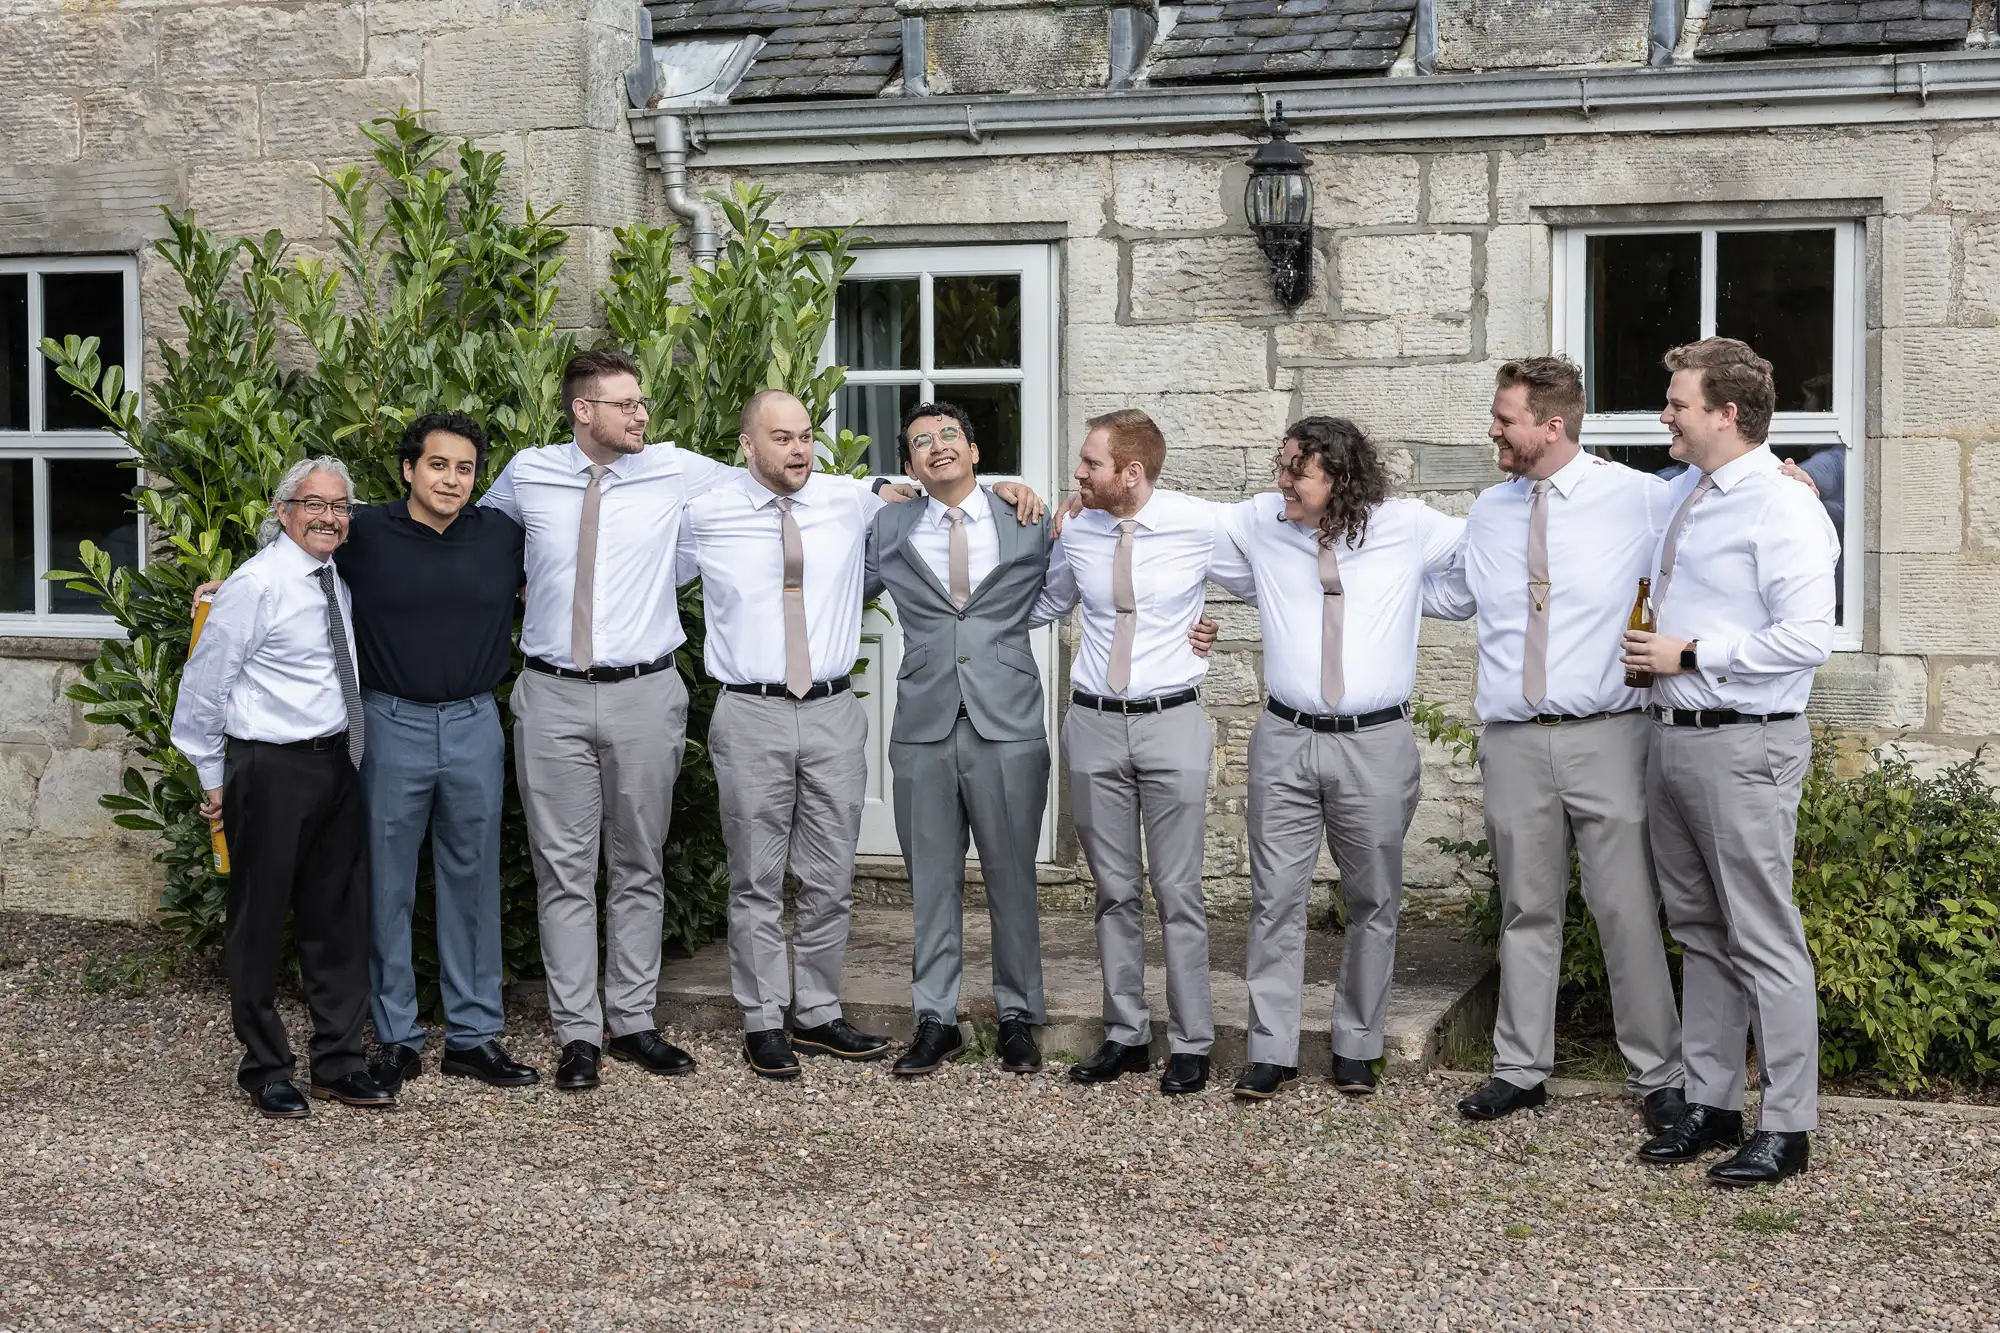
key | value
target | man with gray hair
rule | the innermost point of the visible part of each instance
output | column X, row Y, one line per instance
column 270, row 716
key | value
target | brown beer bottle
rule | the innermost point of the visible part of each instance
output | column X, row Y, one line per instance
column 1642, row 619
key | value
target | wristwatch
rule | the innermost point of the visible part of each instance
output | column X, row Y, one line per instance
column 879, row 483
column 1687, row 657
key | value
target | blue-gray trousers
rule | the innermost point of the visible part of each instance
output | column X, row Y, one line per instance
column 441, row 767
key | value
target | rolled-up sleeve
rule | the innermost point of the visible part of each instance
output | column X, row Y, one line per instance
column 237, row 622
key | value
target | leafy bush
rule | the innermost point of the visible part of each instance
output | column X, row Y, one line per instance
column 435, row 300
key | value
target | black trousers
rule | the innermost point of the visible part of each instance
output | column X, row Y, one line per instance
column 298, row 841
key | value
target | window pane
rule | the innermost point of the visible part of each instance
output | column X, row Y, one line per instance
column 17, row 534
column 14, row 355
column 976, row 321
column 877, row 324
column 876, row 410
column 1644, row 296
column 995, row 410
column 88, row 501
column 1774, row 290
column 88, row 305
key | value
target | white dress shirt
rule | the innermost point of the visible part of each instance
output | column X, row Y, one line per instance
column 734, row 539
column 635, row 617
column 263, row 669
column 1178, row 545
column 1605, row 521
column 1753, row 582
column 1382, row 585
column 932, row 537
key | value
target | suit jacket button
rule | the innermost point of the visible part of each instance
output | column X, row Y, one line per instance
column 964, row 659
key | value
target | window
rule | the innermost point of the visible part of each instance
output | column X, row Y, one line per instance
column 968, row 326
column 61, row 482
column 1791, row 290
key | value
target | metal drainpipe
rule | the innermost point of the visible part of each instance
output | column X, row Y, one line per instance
column 1665, row 32
column 1426, row 53
column 670, row 140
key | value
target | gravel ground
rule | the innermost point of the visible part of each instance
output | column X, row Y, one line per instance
column 140, row 1192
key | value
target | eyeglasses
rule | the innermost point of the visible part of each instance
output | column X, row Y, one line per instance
column 922, row 443
column 318, row 508
column 629, row 406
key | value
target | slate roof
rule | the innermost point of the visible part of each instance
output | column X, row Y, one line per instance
column 812, row 48
column 1758, row 27
column 1216, row 40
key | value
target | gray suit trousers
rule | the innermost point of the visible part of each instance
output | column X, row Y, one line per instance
column 992, row 792
column 1359, row 788
column 791, row 777
column 1725, row 812
column 597, row 765
column 1543, row 786
column 1129, row 772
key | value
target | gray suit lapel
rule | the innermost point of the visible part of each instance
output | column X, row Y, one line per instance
column 1011, row 533
column 919, row 508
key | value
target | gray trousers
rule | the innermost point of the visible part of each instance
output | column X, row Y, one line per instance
column 791, row 778
column 993, row 792
column 441, row 768
column 1134, row 772
column 1725, row 812
column 1544, row 785
column 596, row 765
column 1359, row 789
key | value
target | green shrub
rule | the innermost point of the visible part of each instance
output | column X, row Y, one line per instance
column 435, row 300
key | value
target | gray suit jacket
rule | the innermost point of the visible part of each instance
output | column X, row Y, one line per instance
column 978, row 656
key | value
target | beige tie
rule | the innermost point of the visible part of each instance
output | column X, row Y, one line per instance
column 798, row 648
column 580, row 650
column 1127, row 603
column 1535, row 658
column 1673, row 546
column 1333, row 610
column 961, row 559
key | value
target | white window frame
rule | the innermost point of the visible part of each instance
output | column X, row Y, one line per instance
column 1845, row 424
column 44, row 445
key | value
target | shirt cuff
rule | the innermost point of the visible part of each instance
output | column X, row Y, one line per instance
column 1715, row 660
column 210, row 774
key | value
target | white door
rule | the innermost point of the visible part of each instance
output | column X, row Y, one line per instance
column 972, row 326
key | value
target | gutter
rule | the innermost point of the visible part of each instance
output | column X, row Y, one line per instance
column 1760, row 94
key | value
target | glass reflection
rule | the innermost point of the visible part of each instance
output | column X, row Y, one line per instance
column 1774, row 290
column 877, row 324
column 1643, row 294
column 876, row 410
column 995, row 410
column 976, row 321
column 14, row 357
column 89, row 305
column 17, row 534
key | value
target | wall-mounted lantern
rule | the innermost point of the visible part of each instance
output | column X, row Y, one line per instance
column 1279, row 204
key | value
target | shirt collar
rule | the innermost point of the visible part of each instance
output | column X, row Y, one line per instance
column 1571, row 474
column 1760, row 459
column 297, row 556
column 579, row 461
column 976, row 509
column 761, row 496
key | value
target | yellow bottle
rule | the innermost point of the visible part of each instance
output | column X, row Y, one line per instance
column 218, row 844
column 1642, row 619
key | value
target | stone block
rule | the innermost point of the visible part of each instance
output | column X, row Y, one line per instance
column 1424, row 866
column 586, row 272
column 1970, row 699
column 1206, row 470
column 236, row 43
column 1252, row 421
column 1436, row 404
column 393, row 53
column 429, row 16
column 1864, row 692
column 1090, row 267
column 1926, row 387
column 1533, row 34
column 1687, row 168
column 1176, row 192
column 1365, row 189
column 20, row 777
column 320, row 121
column 1517, row 292
column 104, row 206
column 597, row 177
column 1982, row 498
column 1922, row 497
column 1419, row 274
column 33, row 706
column 1460, row 189
column 1232, row 680
column 249, row 198
column 94, row 878
column 1017, row 48
column 1916, row 270
column 66, row 798
column 1938, row 604
column 1235, row 622
column 1339, row 340
column 1039, row 189
column 212, row 124
column 1209, row 277
column 1457, row 467
column 72, row 50
column 1449, row 677
column 38, row 128
column 523, row 76
column 1930, row 759
column 1184, row 358
column 1968, row 173
column 1979, row 276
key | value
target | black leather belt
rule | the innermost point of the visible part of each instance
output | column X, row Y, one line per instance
column 820, row 689
column 1557, row 719
column 315, row 745
column 1159, row 703
column 598, row 675
column 1338, row 721
column 1713, row 717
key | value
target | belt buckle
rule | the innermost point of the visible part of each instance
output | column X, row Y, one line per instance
column 1546, row 720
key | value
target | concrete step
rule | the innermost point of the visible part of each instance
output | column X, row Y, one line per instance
column 1444, row 988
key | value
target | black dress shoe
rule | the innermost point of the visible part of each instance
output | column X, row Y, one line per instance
column 1018, row 1052
column 355, row 1089
column 769, row 1054
column 650, row 1053
column 279, row 1100
column 1664, row 1107
column 935, row 1043
column 576, row 1070
column 490, row 1064
column 1500, row 1098
column 393, row 1066
column 1356, row 1078
column 1185, row 1074
column 1699, row 1129
column 840, row 1038
column 1261, row 1082
column 1769, row 1157
column 1109, row 1061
